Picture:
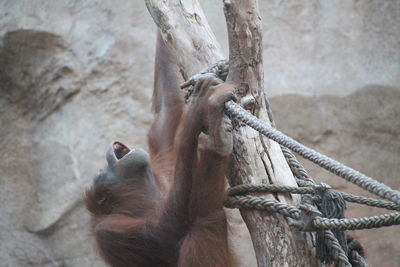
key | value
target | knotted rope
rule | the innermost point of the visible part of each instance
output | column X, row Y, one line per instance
column 367, row 183
column 330, row 203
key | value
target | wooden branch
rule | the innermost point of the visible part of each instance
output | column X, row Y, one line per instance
column 255, row 159
column 187, row 34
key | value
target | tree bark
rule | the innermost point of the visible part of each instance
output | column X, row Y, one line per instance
column 187, row 34
column 256, row 159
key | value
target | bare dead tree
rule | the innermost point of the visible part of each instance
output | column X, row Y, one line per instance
column 256, row 159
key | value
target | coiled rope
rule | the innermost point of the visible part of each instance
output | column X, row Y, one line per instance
column 308, row 186
column 237, row 197
column 233, row 110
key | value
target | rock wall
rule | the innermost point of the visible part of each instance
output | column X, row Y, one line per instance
column 76, row 75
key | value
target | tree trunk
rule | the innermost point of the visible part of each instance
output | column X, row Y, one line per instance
column 256, row 159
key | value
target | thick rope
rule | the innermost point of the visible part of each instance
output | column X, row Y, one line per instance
column 338, row 253
column 357, row 223
column 351, row 175
column 275, row 188
column 303, row 178
column 370, row 202
column 262, row 203
column 268, row 188
column 236, row 199
column 356, row 259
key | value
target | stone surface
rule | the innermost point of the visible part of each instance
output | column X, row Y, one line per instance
column 76, row 75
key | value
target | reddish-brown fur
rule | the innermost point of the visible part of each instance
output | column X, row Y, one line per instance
column 179, row 219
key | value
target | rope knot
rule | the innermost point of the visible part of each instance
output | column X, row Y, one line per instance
column 305, row 221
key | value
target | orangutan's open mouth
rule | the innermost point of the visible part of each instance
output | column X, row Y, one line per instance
column 120, row 150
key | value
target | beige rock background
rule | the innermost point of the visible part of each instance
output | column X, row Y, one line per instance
column 76, row 75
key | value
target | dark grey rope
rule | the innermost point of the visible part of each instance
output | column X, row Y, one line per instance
column 337, row 251
column 298, row 170
column 351, row 175
column 357, row 260
column 262, row 203
column 236, row 200
column 370, row 202
column 275, row 188
column 357, row 223
column 268, row 188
